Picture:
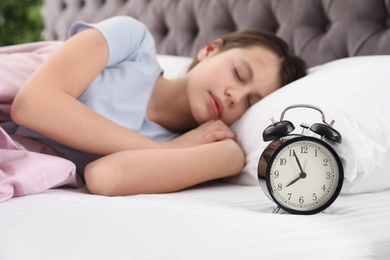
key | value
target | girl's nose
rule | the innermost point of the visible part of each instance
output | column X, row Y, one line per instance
column 235, row 96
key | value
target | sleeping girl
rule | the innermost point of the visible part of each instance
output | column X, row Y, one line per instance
column 100, row 100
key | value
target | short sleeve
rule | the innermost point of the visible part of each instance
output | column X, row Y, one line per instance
column 124, row 36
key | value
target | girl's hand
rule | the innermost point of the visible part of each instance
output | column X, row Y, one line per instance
column 209, row 132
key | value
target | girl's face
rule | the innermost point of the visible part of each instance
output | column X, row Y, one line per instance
column 224, row 85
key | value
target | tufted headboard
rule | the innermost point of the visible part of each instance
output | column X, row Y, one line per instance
column 317, row 30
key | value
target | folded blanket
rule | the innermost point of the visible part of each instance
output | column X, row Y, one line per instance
column 28, row 167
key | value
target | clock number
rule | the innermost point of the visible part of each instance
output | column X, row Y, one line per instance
column 276, row 174
column 315, row 196
column 304, row 149
column 291, row 153
column 289, row 196
column 280, row 187
column 315, row 153
column 323, row 187
column 325, row 162
column 301, row 200
column 328, row 175
column 283, row 161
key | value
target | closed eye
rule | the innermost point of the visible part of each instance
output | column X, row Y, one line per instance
column 237, row 74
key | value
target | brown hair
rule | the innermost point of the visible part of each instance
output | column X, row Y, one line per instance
column 292, row 66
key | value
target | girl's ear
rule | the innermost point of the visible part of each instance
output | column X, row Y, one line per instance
column 209, row 49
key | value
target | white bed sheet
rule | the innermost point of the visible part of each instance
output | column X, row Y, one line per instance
column 211, row 221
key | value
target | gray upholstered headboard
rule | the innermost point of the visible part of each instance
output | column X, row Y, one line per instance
column 317, row 30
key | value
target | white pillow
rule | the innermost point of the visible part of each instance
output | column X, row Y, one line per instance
column 174, row 66
column 355, row 92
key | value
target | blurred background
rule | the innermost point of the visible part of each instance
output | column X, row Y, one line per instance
column 20, row 21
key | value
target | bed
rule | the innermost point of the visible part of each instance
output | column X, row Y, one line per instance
column 347, row 46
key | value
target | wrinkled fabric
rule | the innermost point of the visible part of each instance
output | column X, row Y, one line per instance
column 25, row 172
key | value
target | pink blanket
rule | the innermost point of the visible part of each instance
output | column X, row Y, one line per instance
column 24, row 172
column 27, row 167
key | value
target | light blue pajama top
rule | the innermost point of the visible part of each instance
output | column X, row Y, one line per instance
column 121, row 92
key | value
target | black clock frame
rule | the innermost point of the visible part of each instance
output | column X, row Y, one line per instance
column 292, row 139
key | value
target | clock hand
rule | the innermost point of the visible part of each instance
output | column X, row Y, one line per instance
column 294, row 181
column 302, row 174
column 298, row 162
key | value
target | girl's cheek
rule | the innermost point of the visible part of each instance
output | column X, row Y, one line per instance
column 233, row 116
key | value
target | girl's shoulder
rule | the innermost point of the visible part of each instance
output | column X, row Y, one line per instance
column 124, row 36
column 117, row 23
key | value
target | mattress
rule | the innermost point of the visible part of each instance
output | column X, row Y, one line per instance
column 217, row 220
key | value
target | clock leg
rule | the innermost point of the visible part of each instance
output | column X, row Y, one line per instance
column 276, row 209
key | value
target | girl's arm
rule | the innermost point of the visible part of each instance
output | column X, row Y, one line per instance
column 47, row 102
column 163, row 170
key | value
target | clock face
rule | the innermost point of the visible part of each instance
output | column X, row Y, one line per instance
column 304, row 175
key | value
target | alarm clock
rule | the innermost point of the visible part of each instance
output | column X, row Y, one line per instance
column 303, row 174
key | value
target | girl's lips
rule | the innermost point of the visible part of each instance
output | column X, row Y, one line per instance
column 216, row 105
